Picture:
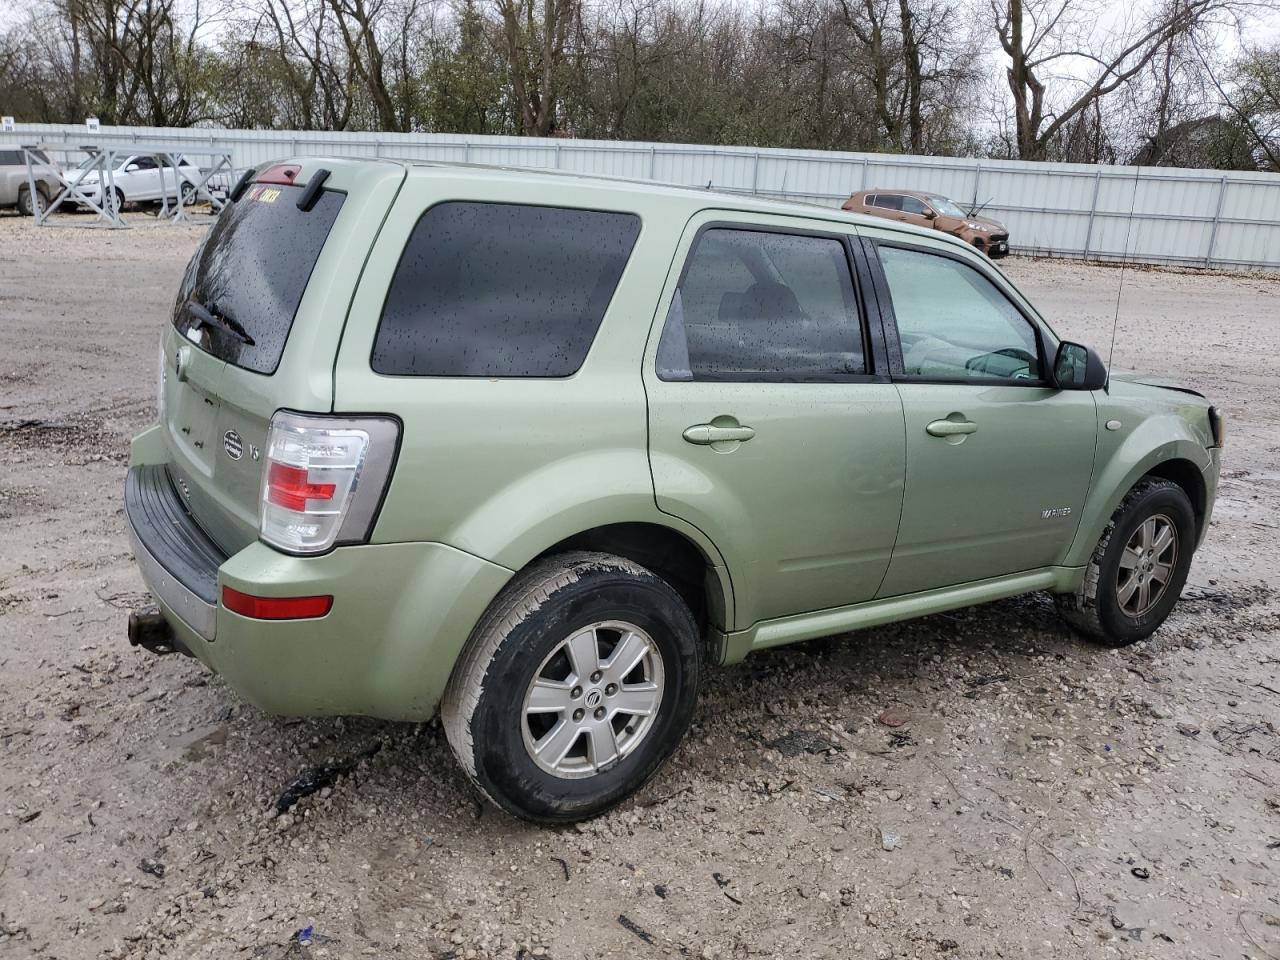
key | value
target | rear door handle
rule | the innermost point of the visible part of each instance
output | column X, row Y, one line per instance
column 705, row 434
column 950, row 428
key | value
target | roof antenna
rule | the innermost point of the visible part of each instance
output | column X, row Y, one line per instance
column 1124, row 259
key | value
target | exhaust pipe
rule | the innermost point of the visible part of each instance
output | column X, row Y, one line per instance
column 149, row 630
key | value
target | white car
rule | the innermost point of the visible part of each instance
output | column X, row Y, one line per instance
column 141, row 178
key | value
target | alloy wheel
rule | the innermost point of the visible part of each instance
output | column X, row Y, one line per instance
column 1147, row 564
column 593, row 700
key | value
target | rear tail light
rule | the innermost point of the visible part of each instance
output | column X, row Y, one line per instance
column 323, row 480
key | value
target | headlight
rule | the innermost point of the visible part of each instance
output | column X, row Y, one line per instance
column 977, row 226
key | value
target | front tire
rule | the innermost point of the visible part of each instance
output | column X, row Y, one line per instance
column 1138, row 569
column 576, row 685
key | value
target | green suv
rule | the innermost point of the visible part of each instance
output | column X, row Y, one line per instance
column 533, row 449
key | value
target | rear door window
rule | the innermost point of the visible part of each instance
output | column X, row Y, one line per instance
column 763, row 306
column 252, row 270
column 501, row 290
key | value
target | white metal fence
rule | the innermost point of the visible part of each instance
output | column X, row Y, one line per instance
column 1207, row 218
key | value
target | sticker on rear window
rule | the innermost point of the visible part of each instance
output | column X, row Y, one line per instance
column 264, row 194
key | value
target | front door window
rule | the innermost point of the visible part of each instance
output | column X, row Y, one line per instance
column 954, row 324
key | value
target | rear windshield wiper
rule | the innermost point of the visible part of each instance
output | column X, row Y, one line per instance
column 210, row 318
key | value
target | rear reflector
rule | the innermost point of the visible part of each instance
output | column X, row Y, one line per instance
column 275, row 608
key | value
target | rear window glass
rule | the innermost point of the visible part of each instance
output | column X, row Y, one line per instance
column 252, row 270
column 501, row 290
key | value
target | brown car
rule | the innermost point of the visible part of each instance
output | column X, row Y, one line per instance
column 933, row 212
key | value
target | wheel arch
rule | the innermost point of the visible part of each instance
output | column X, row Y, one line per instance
column 1191, row 479
column 695, row 571
column 1180, row 461
column 561, row 508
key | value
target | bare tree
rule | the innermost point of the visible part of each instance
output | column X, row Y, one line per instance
column 1047, row 41
column 896, row 75
column 1252, row 101
column 317, row 78
column 359, row 22
column 916, row 58
column 533, row 38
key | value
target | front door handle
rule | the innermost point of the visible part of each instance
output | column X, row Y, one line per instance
column 950, row 428
column 705, row 434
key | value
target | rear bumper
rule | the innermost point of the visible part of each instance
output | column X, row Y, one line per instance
column 178, row 561
column 401, row 612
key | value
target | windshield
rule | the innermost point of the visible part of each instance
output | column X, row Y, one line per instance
column 946, row 207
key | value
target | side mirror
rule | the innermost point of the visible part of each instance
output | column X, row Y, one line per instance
column 930, row 215
column 131, row 168
column 1077, row 367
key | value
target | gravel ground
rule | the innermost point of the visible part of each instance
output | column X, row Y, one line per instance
column 1041, row 797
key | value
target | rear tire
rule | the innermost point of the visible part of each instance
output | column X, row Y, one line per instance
column 25, row 206
column 579, row 752
column 1138, row 569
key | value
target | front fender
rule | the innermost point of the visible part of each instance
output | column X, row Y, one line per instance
column 1124, row 457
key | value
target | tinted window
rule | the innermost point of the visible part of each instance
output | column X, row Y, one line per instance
column 890, row 201
column 143, row 163
column 501, row 290
column 954, row 323
column 10, row 158
column 762, row 306
column 252, row 268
